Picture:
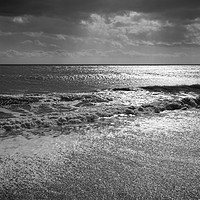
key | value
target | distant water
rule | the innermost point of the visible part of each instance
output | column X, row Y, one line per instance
column 84, row 78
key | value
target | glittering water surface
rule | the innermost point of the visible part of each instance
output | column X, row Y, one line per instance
column 40, row 79
column 60, row 139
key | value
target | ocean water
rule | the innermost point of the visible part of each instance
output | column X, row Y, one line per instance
column 100, row 132
column 85, row 78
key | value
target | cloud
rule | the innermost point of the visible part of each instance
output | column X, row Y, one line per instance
column 76, row 10
column 15, row 53
column 53, row 45
column 42, row 24
column 110, row 31
column 33, row 34
column 5, row 33
column 35, row 42
column 87, row 53
column 128, row 29
column 20, row 20
column 27, row 42
column 61, row 37
column 193, row 34
column 36, row 53
column 136, row 29
column 38, row 43
column 94, row 28
column 98, row 56
column 106, row 42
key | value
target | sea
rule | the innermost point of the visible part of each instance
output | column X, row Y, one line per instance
column 99, row 131
column 20, row 79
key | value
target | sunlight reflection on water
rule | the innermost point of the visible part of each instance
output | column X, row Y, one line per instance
column 86, row 78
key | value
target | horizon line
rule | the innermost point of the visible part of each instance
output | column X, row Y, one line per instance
column 1, row 64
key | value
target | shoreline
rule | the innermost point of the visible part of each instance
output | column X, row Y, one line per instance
column 27, row 112
column 111, row 144
column 139, row 158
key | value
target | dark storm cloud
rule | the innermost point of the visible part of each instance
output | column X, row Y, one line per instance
column 182, row 9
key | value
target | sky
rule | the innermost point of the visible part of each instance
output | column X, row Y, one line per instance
column 100, row 31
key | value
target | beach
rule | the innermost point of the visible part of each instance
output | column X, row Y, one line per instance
column 108, row 140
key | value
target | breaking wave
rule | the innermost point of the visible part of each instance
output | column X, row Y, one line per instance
column 77, row 109
column 177, row 88
column 157, row 88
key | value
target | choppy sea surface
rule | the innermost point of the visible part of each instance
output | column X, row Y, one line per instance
column 100, row 132
column 85, row 78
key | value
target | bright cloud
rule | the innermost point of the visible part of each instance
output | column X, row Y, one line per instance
column 125, row 29
column 21, row 20
column 193, row 34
